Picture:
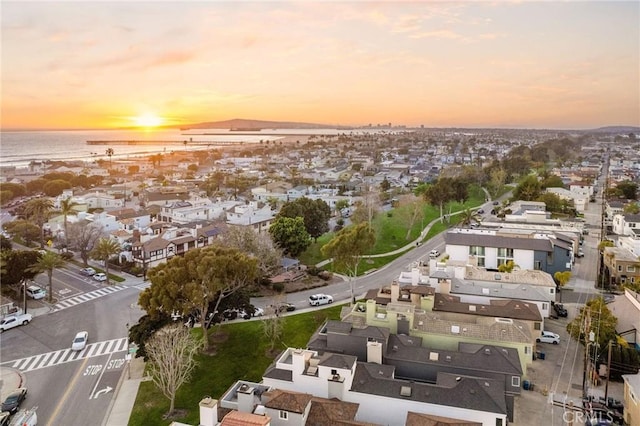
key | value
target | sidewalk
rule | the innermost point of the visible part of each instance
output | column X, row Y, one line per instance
column 119, row 410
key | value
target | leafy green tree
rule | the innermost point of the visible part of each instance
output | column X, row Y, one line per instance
column 347, row 247
column 562, row 278
column 37, row 185
column 552, row 181
column 105, row 249
column 631, row 208
column 290, row 235
column 48, row 262
column 627, row 189
column 67, row 206
column 603, row 244
column 38, row 210
column 497, row 179
column 410, row 210
column 24, row 229
column 54, row 188
column 5, row 243
column 595, row 317
column 199, row 280
column 385, row 185
column 16, row 189
column 438, row 194
column 529, row 189
column 18, row 265
column 315, row 213
column 340, row 205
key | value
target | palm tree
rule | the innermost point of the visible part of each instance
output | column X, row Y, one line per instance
column 468, row 217
column 66, row 207
column 104, row 250
column 38, row 210
column 47, row 263
column 109, row 153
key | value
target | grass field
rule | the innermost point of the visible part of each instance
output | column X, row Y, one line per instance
column 242, row 356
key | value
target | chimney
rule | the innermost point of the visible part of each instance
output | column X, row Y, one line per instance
column 136, row 235
column 245, row 398
column 374, row 352
column 445, row 285
column 395, row 291
column 208, row 411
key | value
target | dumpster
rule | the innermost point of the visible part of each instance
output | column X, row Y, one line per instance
column 525, row 385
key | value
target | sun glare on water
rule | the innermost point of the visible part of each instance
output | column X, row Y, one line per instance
column 148, row 120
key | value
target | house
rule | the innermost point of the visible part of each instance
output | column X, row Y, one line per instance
column 631, row 398
column 253, row 215
column 620, row 266
column 382, row 397
column 249, row 402
column 627, row 309
column 626, row 224
column 528, row 249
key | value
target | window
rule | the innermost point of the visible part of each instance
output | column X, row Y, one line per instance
column 478, row 252
column 545, row 306
column 537, row 265
column 619, row 268
column 283, row 415
column 504, row 255
column 537, row 326
column 631, row 268
column 527, row 350
column 515, row 381
column 498, row 422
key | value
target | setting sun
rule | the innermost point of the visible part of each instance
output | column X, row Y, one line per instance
column 148, row 120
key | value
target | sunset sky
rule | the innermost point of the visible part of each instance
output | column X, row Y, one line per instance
column 86, row 64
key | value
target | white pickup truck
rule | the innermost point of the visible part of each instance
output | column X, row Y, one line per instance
column 14, row 321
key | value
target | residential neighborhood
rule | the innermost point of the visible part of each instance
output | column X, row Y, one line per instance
column 456, row 336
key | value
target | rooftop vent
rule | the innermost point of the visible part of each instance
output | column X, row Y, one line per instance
column 433, row 356
column 405, row 391
column 472, row 308
column 497, row 277
column 458, row 378
column 448, row 358
column 487, row 351
column 395, row 348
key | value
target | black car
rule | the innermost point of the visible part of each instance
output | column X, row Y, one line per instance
column 13, row 401
column 560, row 310
column 4, row 418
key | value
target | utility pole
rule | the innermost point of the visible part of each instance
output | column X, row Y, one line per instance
column 587, row 341
column 606, row 387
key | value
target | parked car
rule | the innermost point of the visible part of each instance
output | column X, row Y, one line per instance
column 580, row 253
column 14, row 321
column 258, row 312
column 434, row 253
column 560, row 310
column 12, row 402
column 320, row 299
column 4, row 418
column 88, row 272
column 36, row 292
column 480, row 211
column 80, row 341
column 548, row 337
column 285, row 307
column 100, row 276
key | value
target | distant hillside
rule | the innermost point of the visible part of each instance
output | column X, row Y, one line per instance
column 243, row 124
column 617, row 129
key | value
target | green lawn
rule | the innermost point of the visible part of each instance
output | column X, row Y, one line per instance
column 391, row 228
column 242, row 356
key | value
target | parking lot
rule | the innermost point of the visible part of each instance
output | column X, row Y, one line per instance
column 557, row 377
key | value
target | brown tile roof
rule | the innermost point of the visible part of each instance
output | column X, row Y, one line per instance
column 329, row 412
column 239, row 418
column 293, row 402
column 516, row 309
column 419, row 419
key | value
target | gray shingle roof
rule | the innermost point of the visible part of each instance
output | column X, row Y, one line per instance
column 500, row 241
column 472, row 394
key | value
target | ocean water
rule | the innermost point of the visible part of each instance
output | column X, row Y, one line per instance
column 21, row 148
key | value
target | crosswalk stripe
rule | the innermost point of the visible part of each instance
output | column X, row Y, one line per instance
column 64, row 356
column 86, row 297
